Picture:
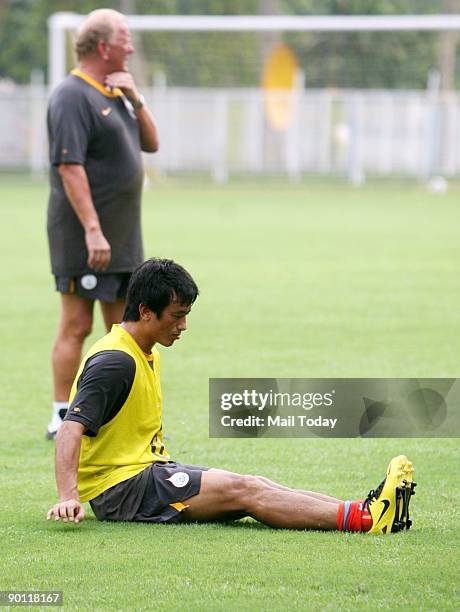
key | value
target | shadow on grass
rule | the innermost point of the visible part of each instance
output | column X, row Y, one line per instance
column 241, row 526
column 91, row 524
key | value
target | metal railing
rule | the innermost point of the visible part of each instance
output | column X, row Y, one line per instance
column 349, row 133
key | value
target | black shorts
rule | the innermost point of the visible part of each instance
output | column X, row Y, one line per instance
column 153, row 496
column 105, row 287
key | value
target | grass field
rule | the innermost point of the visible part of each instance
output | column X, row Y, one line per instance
column 311, row 280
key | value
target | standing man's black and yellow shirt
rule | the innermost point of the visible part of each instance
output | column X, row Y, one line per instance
column 89, row 125
column 117, row 397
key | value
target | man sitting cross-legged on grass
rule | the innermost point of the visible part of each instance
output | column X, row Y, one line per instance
column 110, row 449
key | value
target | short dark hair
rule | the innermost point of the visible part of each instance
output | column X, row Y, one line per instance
column 156, row 283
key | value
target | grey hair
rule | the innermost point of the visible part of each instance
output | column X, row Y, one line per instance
column 99, row 25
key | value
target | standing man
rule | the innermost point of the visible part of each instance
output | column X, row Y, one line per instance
column 98, row 124
column 110, row 450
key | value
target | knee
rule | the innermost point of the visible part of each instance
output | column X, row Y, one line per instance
column 246, row 490
column 75, row 329
column 263, row 480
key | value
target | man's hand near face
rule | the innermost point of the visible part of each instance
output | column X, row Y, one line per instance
column 125, row 82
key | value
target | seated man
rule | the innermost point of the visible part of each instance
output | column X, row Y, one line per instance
column 110, row 449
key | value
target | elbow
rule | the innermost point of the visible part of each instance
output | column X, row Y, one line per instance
column 70, row 433
column 151, row 147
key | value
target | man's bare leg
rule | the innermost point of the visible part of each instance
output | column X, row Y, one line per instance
column 321, row 496
column 276, row 485
column 112, row 312
column 226, row 495
column 74, row 326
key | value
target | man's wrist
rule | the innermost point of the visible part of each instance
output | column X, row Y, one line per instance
column 68, row 496
column 139, row 103
column 92, row 228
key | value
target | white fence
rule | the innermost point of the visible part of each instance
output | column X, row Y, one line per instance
column 352, row 133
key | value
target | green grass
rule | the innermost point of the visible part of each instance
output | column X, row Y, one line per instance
column 312, row 280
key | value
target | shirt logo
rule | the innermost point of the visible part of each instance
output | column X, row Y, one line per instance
column 76, row 409
column 179, row 479
column 106, row 111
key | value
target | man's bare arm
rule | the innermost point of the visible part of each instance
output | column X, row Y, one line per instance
column 76, row 186
column 148, row 130
column 67, row 455
column 147, row 125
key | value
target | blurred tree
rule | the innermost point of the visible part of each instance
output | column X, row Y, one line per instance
column 214, row 59
column 24, row 34
column 137, row 61
column 365, row 59
column 362, row 59
column 448, row 48
column 269, row 40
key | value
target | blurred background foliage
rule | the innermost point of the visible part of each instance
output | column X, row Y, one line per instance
column 366, row 59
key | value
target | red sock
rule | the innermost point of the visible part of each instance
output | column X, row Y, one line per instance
column 352, row 517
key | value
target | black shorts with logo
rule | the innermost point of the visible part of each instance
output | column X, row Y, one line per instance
column 153, row 496
column 105, row 287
